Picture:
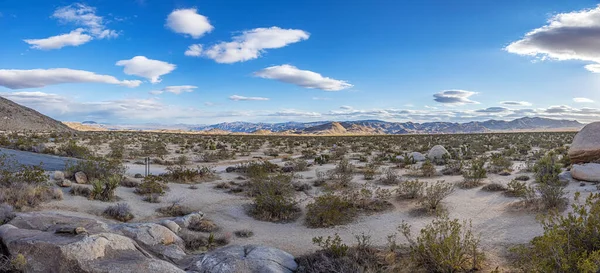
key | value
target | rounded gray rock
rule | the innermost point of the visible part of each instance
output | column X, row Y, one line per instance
column 586, row 144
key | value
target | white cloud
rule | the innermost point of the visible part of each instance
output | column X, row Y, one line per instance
column 251, row 44
column 194, row 51
column 85, row 16
column 74, row 38
column 455, row 97
column 294, row 113
column 582, row 100
column 146, row 68
column 91, row 26
column 566, row 36
column 178, row 89
column 346, row 107
column 18, row 79
column 242, row 98
column 304, row 78
column 516, row 103
column 493, row 110
column 188, row 21
column 320, row 98
column 156, row 92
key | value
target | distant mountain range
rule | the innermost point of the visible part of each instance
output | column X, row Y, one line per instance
column 362, row 127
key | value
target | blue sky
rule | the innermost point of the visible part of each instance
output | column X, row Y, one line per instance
column 139, row 61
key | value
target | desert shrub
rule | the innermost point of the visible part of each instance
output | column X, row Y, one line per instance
column 24, row 186
column 332, row 245
column 549, row 186
column 274, row 199
column 299, row 165
column 80, row 191
column 494, row 187
column 344, row 166
column 244, row 233
column 152, row 198
column 257, row 169
column 151, row 184
column 329, row 210
column 198, row 242
column 202, row 225
column 13, row 264
column 434, row 194
column 516, row 188
column 445, row 245
column 174, row 210
column 322, row 159
column 474, row 175
column 120, row 211
column 569, row 244
column 182, row 174
column 390, row 177
column 453, row 167
column 97, row 168
column 71, row 149
column 154, row 148
column 369, row 172
column 411, row 189
column 522, row 178
column 499, row 163
column 128, row 183
column 104, row 189
column 427, row 169
column 12, row 172
column 369, row 199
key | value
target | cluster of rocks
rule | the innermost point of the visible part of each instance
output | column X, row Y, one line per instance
column 436, row 153
column 63, row 180
column 54, row 242
column 585, row 154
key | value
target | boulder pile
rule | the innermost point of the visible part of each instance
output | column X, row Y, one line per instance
column 585, row 153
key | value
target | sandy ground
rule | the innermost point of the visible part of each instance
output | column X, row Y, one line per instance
column 490, row 212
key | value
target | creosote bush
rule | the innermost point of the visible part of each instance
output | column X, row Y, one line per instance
column 274, row 199
column 329, row 210
column 474, row 175
column 411, row 189
column 445, row 246
column 120, row 211
column 569, row 244
column 434, row 194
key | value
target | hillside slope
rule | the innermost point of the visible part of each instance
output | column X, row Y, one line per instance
column 15, row 117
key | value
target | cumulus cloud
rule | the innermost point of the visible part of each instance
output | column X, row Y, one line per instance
column 175, row 89
column 516, row 103
column 582, row 100
column 146, row 68
column 566, row 36
column 304, row 78
column 73, row 38
column 492, row 110
column 19, row 79
column 454, row 97
column 194, row 51
column 242, row 98
column 249, row 45
column 559, row 109
column 91, row 26
column 189, row 22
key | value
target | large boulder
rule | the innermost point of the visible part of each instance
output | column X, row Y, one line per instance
column 81, row 178
column 417, row 156
column 438, row 152
column 156, row 238
column 249, row 258
column 586, row 172
column 47, row 251
column 586, row 144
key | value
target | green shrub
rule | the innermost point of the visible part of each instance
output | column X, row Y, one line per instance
column 493, row 187
column 434, row 194
column 474, row 175
column 332, row 245
column 569, row 243
column 329, row 210
column 120, row 211
column 151, row 184
column 104, row 189
column 427, row 169
column 445, row 245
column 274, row 199
column 71, row 149
column 516, row 188
column 182, row 174
column 97, row 168
column 411, row 189
column 390, row 177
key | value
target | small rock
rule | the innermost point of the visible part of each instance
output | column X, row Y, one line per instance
column 80, row 230
column 81, row 178
column 230, row 169
column 417, row 156
column 64, row 183
column 138, row 175
column 287, row 169
column 582, row 184
column 174, row 227
column 586, row 172
column 184, row 221
column 58, row 176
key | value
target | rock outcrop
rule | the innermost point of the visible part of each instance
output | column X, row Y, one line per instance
column 586, row 172
column 586, row 145
column 54, row 242
column 438, row 152
column 250, row 258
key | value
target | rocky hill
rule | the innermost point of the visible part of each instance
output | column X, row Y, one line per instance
column 15, row 117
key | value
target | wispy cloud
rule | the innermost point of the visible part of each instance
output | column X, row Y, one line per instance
column 242, row 98
column 18, row 79
column 454, row 97
column 304, row 78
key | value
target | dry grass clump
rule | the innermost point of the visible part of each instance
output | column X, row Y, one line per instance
column 494, row 187
column 203, row 225
column 411, row 189
column 182, row 174
column 390, row 177
column 174, row 210
column 80, row 191
column 244, row 233
column 151, row 184
column 195, row 241
column 433, row 194
column 120, row 211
